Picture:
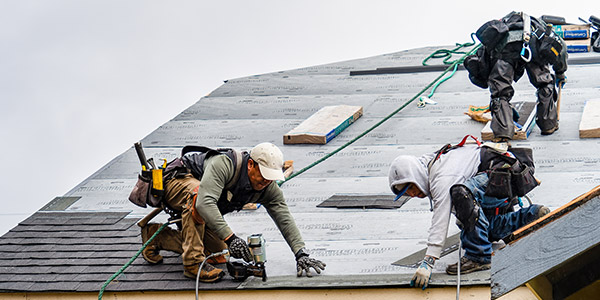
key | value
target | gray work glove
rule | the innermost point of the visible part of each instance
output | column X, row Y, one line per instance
column 423, row 274
column 561, row 80
column 238, row 248
column 304, row 263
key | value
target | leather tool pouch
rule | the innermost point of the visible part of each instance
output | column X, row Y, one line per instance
column 143, row 194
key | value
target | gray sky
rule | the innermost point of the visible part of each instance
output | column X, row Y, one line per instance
column 81, row 80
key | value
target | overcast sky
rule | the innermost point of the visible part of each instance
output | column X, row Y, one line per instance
column 81, row 81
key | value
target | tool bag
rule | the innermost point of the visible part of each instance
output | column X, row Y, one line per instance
column 546, row 46
column 147, row 193
column 508, row 176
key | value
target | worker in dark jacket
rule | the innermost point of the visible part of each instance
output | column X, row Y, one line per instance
column 206, row 193
column 511, row 46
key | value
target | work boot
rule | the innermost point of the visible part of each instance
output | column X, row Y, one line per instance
column 215, row 260
column 466, row 266
column 466, row 208
column 542, row 212
column 152, row 252
column 550, row 131
column 208, row 274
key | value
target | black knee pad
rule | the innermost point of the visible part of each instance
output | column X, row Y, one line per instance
column 465, row 206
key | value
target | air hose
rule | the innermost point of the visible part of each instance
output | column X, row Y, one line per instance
column 131, row 260
column 453, row 65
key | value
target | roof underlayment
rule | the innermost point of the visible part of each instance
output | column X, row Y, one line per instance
column 81, row 239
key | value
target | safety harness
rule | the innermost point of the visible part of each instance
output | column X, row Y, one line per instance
column 446, row 148
column 526, row 51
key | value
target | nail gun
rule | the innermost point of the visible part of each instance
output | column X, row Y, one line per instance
column 240, row 270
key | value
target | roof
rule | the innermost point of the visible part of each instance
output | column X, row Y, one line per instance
column 79, row 240
column 567, row 245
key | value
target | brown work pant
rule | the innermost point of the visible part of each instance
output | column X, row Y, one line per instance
column 195, row 240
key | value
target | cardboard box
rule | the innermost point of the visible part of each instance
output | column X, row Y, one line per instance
column 575, row 46
column 569, row 32
column 323, row 125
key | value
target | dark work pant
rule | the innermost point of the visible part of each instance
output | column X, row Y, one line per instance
column 500, row 81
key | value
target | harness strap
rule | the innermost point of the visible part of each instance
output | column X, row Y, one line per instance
column 526, row 51
column 526, row 27
column 464, row 140
column 238, row 168
column 446, row 148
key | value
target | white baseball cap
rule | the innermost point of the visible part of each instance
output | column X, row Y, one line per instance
column 269, row 159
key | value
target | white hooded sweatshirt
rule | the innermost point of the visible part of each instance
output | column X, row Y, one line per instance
column 451, row 168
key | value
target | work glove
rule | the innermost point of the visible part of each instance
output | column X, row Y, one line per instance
column 238, row 248
column 304, row 263
column 423, row 274
column 561, row 80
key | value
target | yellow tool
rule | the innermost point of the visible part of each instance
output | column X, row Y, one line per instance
column 157, row 181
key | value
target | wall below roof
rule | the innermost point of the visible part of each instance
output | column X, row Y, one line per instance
column 466, row 292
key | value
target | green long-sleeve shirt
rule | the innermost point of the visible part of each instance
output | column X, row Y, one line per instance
column 218, row 171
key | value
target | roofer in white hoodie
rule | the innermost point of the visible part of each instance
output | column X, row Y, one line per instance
column 416, row 177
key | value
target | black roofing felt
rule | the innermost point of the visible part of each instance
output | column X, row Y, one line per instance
column 84, row 237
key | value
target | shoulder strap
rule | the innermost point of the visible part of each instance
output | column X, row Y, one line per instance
column 464, row 140
column 237, row 155
column 238, row 167
column 446, row 148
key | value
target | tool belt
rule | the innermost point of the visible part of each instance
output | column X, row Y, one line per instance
column 508, row 176
column 146, row 193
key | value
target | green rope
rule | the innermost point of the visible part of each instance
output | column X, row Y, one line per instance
column 447, row 54
column 442, row 81
column 453, row 65
column 130, row 261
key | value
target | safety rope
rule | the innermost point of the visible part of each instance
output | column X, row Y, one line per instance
column 453, row 65
column 446, row 54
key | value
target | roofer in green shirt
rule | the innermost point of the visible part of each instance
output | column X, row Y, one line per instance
column 212, row 184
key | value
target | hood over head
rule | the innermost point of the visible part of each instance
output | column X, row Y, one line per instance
column 406, row 169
